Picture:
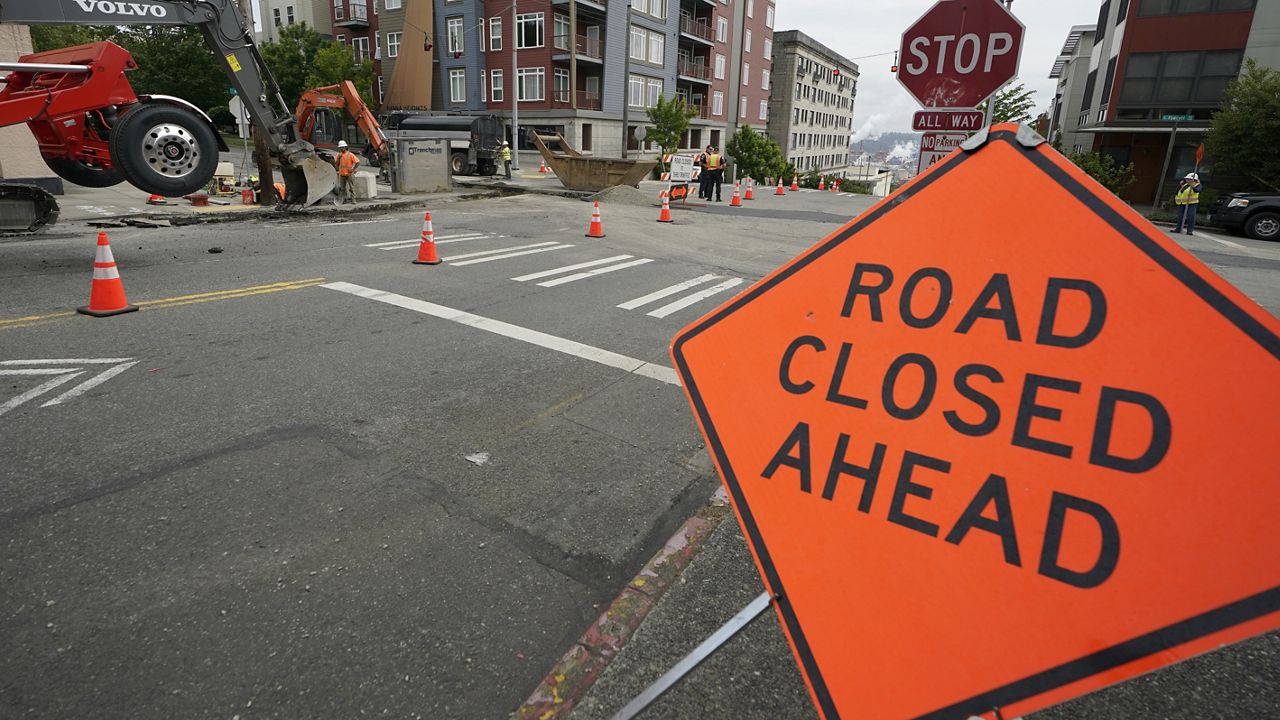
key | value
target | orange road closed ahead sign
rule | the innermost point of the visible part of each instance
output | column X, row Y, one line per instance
column 996, row 443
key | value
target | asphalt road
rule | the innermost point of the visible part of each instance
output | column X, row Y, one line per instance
column 333, row 483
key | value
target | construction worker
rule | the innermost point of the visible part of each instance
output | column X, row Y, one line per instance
column 1188, row 201
column 506, row 158
column 347, row 164
column 704, row 177
column 715, row 168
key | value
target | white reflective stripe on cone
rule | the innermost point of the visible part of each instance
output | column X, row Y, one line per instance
column 104, row 255
column 106, row 273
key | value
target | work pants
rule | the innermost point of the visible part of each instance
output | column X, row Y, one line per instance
column 714, row 182
column 506, row 164
column 704, row 185
column 1186, row 216
column 347, row 188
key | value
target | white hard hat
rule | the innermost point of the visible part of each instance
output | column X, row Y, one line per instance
column 504, row 142
column 342, row 143
column 1192, row 176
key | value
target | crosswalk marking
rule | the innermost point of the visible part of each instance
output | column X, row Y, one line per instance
column 592, row 273
column 500, row 250
column 488, row 258
column 570, row 268
column 664, row 292
column 440, row 239
column 688, row 300
column 463, row 238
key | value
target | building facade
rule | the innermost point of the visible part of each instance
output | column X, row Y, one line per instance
column 355, row 23
column 1071, row 70
column 586, row 68
column 811, row 108
column 276, row 14
column 1157, row 74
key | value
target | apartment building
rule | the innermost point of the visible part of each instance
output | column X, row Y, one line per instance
column 1071, row 70
column 276, row 14
column 811, row 108
column 1157, row 74
column 585, row 68
column 355, row 23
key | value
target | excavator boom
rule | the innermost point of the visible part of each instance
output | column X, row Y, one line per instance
column 344, row 95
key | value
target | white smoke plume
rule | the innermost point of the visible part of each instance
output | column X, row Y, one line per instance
column 868, row 130
column 903, row 151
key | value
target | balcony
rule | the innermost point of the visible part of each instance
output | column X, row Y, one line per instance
column 697, row 29
column 586, row 100
column 599, row 6
column 695, row 70
column 589, row 49
column 354, row 14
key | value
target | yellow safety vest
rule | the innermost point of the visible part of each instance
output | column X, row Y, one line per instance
column 506, row 153
column 1188, row 195
column 713, row 161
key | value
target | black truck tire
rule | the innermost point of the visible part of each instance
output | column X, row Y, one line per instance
column 1263, row 226
column 165, row 149
column 458, row 163
column 76, row 172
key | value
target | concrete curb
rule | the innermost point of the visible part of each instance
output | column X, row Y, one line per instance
column 579, row 668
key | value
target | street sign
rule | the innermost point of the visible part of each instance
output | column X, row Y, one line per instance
column 959, row 52
column 1177, row 118
column 935, row 146
column 996, row 443
column 236, row 106
column 947, row 120
column 681, row 168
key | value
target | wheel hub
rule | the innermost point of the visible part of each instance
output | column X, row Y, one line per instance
column 1267, row 227
column 171, row 150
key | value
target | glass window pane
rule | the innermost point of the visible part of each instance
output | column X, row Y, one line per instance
column 1181, row 64
column 1229, row 5
column 1211, row 89
column 1137, row 90
column 1155, row 7
column 1194, row 6
column 1174, row 89
column 1222, row 63
column 1142, row 65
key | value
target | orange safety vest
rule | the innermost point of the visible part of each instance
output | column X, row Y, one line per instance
column 279, row 190
column 347, row 162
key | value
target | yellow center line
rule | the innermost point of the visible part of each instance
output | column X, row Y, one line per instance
column 177, row 301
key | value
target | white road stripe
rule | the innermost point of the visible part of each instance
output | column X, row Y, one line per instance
column 393, row 242
column 39, row 371
column 403, row 246
column 501, row 250
column 509, row 255
column 67, row 361
column 90, row 384
column 37, row 391
column 1228, row 243
column 592, row 273
column 688, row 300
column 463, row 238
column 515, row 332
column 570, row 268
column 438, row 239
column 651, row 297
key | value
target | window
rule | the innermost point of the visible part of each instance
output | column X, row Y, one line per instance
column 768, row 49
column 768, row 17
column 341, row 39
column 531, row 82
column 458, row 85
column 495, row 85
column 751, row 12
column 717, row 103
column 377, row 44
column 656, row 8
column 722, row 30
column 495, row 33
column 391, row 5
column 529, row 32
column 275, row 16
column 338, row 7
column 1178, row 78
column 361, row 47
column 748, row 40
column 655, row 91
column 746, row 73
column 1149, row 8
column 454, row 25
column 561, row 88
column 657, row 48
column 482, row 90
column 648, row 45
column 764, row 109
column 393, row 44
column 719, row 66
column 560, row 33
column 764, row 79
column 288, row 15
column 635, row 91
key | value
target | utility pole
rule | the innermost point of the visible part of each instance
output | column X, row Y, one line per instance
column 261, row 156
column 626, row 86
column 515, row 86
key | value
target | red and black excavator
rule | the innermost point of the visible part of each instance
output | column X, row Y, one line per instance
column 317, row 125
column 94, row 130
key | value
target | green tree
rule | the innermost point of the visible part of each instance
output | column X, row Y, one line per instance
column 290, row 58
column 335, row 62
column 669, row 120
column 53, row 37
column 1104, row 168
column 175, row 61
column 1245, row 140
column 757, row 156
column 1013, row 104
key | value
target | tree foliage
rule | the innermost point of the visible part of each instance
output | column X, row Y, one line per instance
column 335, row 62
column 1104, row 168
column 290, row 58
column 757, row 156
column 669, row 120
column 53, row 37
column 1013, row 104
column 1244, row 144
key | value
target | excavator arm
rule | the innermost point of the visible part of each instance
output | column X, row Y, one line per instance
column 338, row 97
column 307, row 176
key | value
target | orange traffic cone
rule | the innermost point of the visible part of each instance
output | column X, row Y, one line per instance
column 665, row 215
column 737, row 199
column 750, row 195
column 597, row 228
column 542, row 166
column 822, row 183
column 779, row 191
column 795, row 183
column 157, row 200
column 106, row 295
column 427, row 254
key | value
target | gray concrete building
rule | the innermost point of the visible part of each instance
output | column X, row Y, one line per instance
column 811, row 103
column 276, row 14
column 1071, row 70
column 21, row 158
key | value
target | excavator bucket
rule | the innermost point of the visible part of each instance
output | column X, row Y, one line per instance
column 308, row 181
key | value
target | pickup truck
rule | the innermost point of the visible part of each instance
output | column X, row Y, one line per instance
column 1255, row 214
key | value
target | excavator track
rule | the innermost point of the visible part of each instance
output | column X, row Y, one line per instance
column 25, row 209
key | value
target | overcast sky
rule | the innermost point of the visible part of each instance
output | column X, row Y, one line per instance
column 855, row 28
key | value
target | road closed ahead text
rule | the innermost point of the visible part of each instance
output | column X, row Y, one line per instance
column 1078, row 540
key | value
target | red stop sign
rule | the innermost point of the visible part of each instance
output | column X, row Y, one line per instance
column 959, row 52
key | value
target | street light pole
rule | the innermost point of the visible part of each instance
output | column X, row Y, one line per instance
column 626, row 88
column 515, row 87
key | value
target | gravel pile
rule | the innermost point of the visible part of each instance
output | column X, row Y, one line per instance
column 625, row 195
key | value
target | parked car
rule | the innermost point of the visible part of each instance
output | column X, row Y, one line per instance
column 1254, row 214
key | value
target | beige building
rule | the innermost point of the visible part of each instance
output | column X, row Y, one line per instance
column 275, row 14
column 21, row 158
column 811, row 103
